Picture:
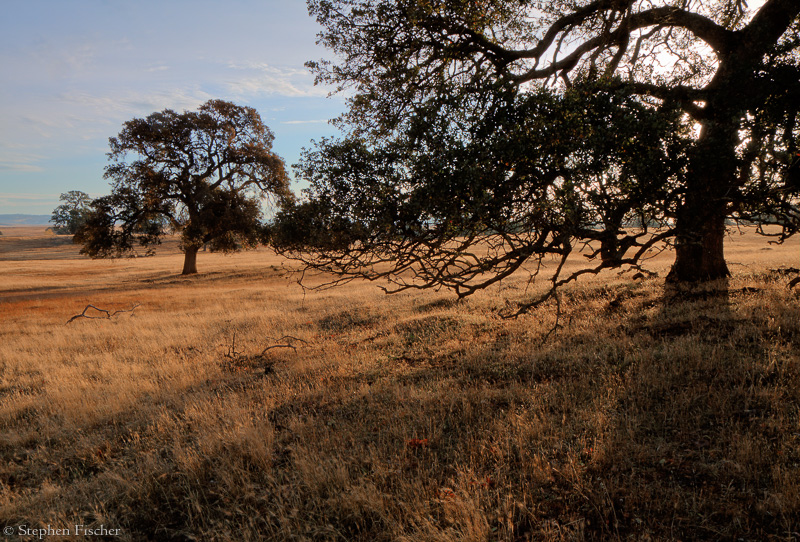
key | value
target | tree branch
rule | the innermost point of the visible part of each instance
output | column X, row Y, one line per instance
column 719, row 38
column 289, row 340
column 108, row 314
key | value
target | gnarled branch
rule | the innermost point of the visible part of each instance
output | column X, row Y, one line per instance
column 108, row 314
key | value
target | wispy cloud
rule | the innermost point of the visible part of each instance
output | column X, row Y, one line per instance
column 16, row 166
column 27, row 203
column 60, row 61
column 44, row 202
column 315, row 121
column 20, row 162
column 9, row 197
column 78, row 123
column 266, row 79
column 115, row 106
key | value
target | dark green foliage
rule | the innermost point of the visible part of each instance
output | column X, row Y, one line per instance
column 201, row 173
column 313, row 225
column 771, row 156
column 71, row 215
column 482, row 136
column 119, row 222
column 463, row 202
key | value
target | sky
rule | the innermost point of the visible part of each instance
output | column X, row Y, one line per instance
column 73, row 71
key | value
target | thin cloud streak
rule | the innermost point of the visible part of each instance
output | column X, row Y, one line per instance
column 24, row 203
column 112, row 107
column 20, row 161
column 17, row 166
column 267, row 79
column 316, row 121
column 5, row 196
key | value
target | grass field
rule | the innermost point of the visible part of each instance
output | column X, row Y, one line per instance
column 232, row 405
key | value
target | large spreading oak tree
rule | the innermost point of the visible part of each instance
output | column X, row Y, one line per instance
column 486, row 134
column 202, row 173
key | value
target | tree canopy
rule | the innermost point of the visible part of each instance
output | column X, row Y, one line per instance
column 68, row 217
column 202, row 173
column 482, row 136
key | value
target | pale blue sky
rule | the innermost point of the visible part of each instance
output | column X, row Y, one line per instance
column 74, row 70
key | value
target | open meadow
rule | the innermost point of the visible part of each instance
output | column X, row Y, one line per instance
column 232, row 405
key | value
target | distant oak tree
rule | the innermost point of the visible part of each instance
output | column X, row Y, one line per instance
column 201, row 173
column 484, row 136
column 68, row 217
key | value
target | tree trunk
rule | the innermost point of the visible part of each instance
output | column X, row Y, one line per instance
column 699, row 254
column 711, row 179
column 712, row 176
column 190, row 261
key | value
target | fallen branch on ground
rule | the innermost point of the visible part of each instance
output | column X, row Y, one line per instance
column 288, row 344
column 108, row 314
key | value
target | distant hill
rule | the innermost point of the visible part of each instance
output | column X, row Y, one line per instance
column 24, row 220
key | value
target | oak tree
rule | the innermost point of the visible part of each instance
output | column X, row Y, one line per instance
column 201, row 173
column 68, row 217
column 485, row 135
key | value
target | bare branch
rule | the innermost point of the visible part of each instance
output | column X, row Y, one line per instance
column 289, row 340
column 108, row 314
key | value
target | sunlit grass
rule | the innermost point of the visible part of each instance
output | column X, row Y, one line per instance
column 649, row 413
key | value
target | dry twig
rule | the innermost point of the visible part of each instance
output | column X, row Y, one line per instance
column 232, row 353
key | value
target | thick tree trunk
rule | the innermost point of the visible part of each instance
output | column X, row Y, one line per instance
column 190, row 261
column 699, row 254
column 711, row 180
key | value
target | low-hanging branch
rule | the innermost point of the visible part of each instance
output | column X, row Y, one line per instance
column 470, row 213
column 482, row 136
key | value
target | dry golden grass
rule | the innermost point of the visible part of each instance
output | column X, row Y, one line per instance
column 652, row 414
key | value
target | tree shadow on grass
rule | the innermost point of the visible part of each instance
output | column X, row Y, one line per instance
column 672, row 417
column 698, row 309
column 697, row 435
